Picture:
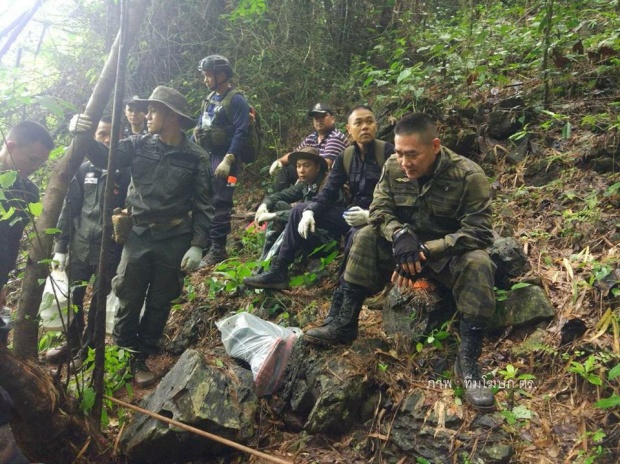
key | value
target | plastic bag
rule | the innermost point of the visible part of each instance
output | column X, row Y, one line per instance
column 53, row 309
column 265, row 346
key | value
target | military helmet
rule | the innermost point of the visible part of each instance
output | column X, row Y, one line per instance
column 216, row 63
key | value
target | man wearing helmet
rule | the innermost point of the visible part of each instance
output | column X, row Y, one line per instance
column 222, row 130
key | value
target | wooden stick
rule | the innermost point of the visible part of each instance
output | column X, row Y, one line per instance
column 202, row 433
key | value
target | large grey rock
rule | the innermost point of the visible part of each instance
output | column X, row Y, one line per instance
column 412, row 314
column 510, row 260
column 325, row 392
column 207, row 398
column 523, row 306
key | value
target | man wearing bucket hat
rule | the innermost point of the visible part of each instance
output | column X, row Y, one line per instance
column 223, row 130
column 359, row 167
column 311, row 169
column 170, row 199
column 326, row 138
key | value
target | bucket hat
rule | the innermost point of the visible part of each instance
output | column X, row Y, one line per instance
column 308, row 153
column 173, row 100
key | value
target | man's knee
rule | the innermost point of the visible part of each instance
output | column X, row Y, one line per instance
column 478, row 265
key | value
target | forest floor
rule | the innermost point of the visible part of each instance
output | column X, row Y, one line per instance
column 569, row 228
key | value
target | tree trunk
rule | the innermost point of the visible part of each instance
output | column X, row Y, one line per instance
column 26, row 324
column 42, row 427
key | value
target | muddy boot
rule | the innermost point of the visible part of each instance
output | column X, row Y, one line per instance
column 217, row 253
column 343, row 329
column 275, row 278
column 477, row 394
column 142, row 376
column 334, row 309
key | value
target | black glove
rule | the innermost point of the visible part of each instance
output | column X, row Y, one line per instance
column 406, row 248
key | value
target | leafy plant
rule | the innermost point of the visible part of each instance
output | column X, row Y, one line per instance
column 586, row 370
column 116, row 376
column 228, row 275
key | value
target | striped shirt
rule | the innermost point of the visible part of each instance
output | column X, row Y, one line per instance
column 330, row 147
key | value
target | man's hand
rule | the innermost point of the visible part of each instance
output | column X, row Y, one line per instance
column 307, row 224
column 59, row 261
column 407, row 250
column 79, row 124
column 191, row 259
column 262, row 209
column 356, row 216
column 275, row 166
column 263, row 214
column 223, row 169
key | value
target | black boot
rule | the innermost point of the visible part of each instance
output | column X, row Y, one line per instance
column 477, row 394
column 217, row 253
column 276, row 278
column 334, row 309
column 343, row 329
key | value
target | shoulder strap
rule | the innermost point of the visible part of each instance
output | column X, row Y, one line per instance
column 347, row 158
column 380, row 152
column 225, row 102
column 379, row 155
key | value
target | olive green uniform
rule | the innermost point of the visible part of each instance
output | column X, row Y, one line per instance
column 450, row 212
column 170, row 197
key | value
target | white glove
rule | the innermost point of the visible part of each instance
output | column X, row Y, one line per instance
column 277, row 164
column 223, row 169
column 356, row 216
column 59, row 261
column 306, row 225
column 80, row 123
column 191, row 259
column 262, row 209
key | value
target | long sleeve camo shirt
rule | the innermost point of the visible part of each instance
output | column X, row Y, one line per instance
column 450, row 213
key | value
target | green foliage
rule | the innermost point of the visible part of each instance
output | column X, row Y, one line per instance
column 228, row 276
column 308, row 278
column 116, row 376
column 586, row 370
column 436, row 338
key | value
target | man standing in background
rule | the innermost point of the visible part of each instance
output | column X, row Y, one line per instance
column 223, row 131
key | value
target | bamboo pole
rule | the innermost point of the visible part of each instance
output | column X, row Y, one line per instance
column 199, row 432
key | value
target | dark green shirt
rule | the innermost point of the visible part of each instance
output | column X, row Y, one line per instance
column 167, row 183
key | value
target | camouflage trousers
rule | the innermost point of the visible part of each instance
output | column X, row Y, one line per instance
column 469, row 276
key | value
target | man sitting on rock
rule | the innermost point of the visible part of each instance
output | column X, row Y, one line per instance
column 326, row 138
column 311, row 170
column 359, row 166
column 431, row 213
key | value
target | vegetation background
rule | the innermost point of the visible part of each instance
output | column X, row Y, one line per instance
column 550, row 66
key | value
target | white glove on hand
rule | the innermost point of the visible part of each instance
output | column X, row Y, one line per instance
column 59, row 261
column 191, row 259
column 262, row 209
column 223, row 169
column 306, row 225
column 356, row 216
column 79, row 124
column 277, row 164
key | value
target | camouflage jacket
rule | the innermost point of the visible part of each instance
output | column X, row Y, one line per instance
column 451, row 213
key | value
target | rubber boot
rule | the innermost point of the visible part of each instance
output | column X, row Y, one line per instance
column 343, row 329
column 142, row 376
column 217, row 253
column 334, row 309
column 477, row 394
column 276, row 278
